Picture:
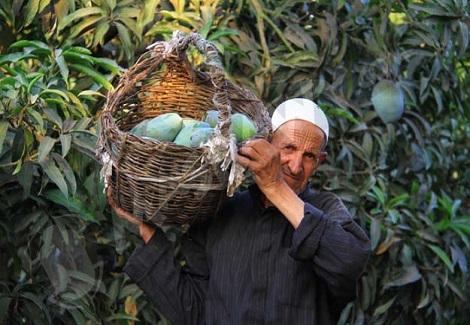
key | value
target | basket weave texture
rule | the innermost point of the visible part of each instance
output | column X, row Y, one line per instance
column 162, row 182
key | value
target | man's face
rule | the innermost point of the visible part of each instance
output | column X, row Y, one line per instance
column 300, row 144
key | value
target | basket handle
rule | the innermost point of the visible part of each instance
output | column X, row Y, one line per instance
column 179, row 44
column 181, row 41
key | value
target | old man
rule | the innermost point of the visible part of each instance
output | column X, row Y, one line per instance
column 278, row 253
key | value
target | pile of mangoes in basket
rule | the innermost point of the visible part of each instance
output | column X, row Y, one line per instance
column 171, row 127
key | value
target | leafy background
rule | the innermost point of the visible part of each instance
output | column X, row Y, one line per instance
column 62, row 252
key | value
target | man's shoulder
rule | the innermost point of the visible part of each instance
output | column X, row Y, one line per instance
column 234, row 212
column 328, row 202
column 320, row 197
column 239, row 200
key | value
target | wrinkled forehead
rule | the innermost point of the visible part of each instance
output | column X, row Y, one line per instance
column 300, row 133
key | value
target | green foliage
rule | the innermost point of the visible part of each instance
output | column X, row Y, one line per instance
column 207, row 17
column 406, row 181
column 99, row 22
column 17, row 17
column 50, row 194
column 45, row 108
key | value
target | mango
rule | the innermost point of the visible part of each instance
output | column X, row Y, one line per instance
column 388, row 101
column 140, row 128
column 164, row 127
column 189, row 121
column 242, row 126
column 212, row 117
column 201, row 125
column 184, row 136
column 200, row 136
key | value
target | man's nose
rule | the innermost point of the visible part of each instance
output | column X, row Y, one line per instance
column 295, row 164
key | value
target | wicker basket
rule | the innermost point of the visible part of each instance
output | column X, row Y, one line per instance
column 163, row 182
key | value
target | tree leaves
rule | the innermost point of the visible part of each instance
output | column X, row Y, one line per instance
column 94, row 75
column 458, row 257
column 408, row 274
column 53, row 172
column 3, row 132
column 73, row 204
column 384, row 308
column 434, row 10
column 80, row 13
column 31, row 11
column 42, row 307
column 64, row 69
column 67, row 171
column 130, row 306
column 463, row 41
column 35, row 45
column 4, row 306
column 374, row 233
column 125, row 38
column 45, row 146
column 66, row 142
column 443, row 256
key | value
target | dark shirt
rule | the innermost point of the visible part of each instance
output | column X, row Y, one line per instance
column 250, row 266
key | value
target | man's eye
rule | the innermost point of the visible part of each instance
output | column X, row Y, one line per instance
column 310, row 156
column 288, row 148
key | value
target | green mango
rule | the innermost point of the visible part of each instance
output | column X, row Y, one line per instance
column 140, row 129
column 212, row 117
column 242, row 126
column 164, row 127
column 200, row 136
column 200, row 124
column 189, row 121
column 388, row 101
column 184, row 136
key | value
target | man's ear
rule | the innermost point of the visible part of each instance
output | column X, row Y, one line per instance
column 322, row 157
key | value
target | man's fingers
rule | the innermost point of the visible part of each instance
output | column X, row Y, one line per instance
column 120, row 212
column 244, row 161
column 262, row 147
column 129, row 217
column 248, row 152
column 261, row 154
column 255, row 145
column 250, row 159
column 252, row 165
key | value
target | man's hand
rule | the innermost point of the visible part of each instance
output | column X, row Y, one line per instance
column 146, row 231
column 264, row 162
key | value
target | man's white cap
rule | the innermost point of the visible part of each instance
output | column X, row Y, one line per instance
column 300, row 109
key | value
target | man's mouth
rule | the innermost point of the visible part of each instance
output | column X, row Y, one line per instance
column 296, row 178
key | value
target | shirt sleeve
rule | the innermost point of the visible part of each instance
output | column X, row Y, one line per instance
column 178, row 292
column 337, row 246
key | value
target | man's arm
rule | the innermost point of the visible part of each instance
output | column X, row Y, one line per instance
column 285, row 199
column 177, row 292
column 325, row 234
